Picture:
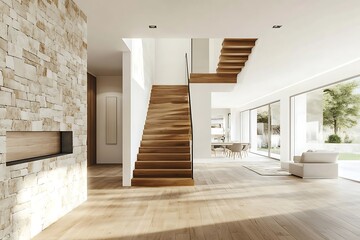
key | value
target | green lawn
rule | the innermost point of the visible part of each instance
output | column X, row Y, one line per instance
column 342, row 156
column 349, row 156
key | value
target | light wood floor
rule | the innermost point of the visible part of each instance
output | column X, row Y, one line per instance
column 228, row 202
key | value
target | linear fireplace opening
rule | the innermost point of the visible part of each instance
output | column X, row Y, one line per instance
column 22, row 147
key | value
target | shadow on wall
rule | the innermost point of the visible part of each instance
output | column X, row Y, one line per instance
column 137, row 66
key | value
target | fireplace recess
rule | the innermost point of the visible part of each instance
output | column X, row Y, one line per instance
column 22, row 147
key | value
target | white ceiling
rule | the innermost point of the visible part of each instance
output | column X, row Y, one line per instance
column 317, row 35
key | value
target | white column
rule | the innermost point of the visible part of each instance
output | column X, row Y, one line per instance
column 127, row 163
column 201, row 115
column 235, row 125
column 245, row 127
column 253, row 130
column 285, row 132
column 300, row 110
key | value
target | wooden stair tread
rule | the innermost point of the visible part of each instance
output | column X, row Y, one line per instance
column 238, row 43
column 166, row 131
column 164, row 150
column 162, row 173
column 228, row 71
column 162, row 182
column 169, row 86
column 165, row 143
column 163, row 157
column 163, row 164
column 236, row 52
column 233, row 59
column 162, row 137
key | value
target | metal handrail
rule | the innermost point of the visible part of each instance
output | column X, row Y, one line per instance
column 191, row 121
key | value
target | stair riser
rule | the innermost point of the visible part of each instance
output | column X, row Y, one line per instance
column 154, row 123
column 156, row 143
column 168, row 97
column 160, row 116
column 183, row 122
column 163, row 160
column 165, row 131
column 165, row 137
column 162, row 183
column 168, row 111
column 168, row 106
column 160, row 101
column 158, row 174
column 171, row 128
column 159, row 157
column 156, row 86
column 165, row 150
column 170, row 117
column 165, row 110
column 162, row 165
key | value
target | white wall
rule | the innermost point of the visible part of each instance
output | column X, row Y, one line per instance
column 200, row 55
column 201, row 95
column 108, row 87
column 138, row 77
column 170, row 61
column 215, row 45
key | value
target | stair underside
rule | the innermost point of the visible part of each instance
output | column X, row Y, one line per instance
column 233, row 56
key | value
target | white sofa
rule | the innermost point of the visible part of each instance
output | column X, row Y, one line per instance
column 318, row 164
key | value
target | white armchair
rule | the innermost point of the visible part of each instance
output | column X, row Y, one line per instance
column 318, row 164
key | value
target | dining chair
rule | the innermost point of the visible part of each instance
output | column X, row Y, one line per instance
column 245, row 149
column 235, row 150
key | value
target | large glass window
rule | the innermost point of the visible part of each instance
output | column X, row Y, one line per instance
column 265, row 130
column 275, row 130
column 329, row 119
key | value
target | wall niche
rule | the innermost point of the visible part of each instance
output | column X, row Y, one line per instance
column 22, row 147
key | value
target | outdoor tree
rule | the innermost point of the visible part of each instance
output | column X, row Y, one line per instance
column 341, row 106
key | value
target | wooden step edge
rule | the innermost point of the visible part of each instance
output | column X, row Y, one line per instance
column 163, row 160
column 144, row 173
column 175, row 154
column 162, row 182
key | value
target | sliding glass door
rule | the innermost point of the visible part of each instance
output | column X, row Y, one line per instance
column 265, row 130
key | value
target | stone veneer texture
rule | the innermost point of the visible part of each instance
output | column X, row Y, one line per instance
column 43, row 55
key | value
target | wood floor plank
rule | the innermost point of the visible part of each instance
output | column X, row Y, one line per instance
column 227, row 202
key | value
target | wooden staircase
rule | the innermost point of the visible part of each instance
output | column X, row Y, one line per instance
column 164, row 157
column 233, row 56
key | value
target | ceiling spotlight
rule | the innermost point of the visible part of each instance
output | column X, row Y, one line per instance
column 152, row 26
column 277, row 26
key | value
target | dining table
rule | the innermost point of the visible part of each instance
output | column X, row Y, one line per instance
column 221, row 144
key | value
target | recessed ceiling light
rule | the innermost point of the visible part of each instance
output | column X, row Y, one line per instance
column 277, row 26
column 152, row 26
